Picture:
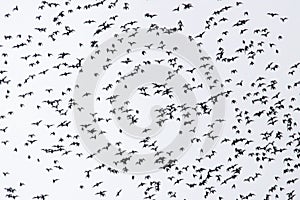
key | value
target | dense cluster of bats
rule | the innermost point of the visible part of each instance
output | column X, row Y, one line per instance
column 257, row 156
